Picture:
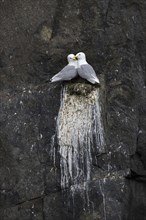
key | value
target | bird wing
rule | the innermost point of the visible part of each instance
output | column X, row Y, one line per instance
column 67, row 73
column 88, row 71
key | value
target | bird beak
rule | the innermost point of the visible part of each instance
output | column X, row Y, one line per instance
column 75, row 58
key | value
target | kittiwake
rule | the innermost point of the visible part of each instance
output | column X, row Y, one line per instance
column 85, row 70
column 68, row 72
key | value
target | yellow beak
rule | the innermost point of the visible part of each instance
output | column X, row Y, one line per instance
column 74, row 58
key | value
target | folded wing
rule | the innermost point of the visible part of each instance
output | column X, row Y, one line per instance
column 67, row 73
column 87, row 72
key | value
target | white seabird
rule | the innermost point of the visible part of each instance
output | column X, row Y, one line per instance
column 68, row 72
column 85, row 70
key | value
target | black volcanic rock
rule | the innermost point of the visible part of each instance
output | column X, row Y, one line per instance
column 35, row 38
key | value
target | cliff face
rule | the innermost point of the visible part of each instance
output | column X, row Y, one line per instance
column 35, row 38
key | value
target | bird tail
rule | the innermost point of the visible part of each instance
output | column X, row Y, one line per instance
column 97, row 80
column 94, row 80
column 55, row 79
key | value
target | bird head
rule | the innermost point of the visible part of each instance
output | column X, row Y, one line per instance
column 71, row 58
column 80, row 56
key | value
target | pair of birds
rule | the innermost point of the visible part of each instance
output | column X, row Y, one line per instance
column 77, row 65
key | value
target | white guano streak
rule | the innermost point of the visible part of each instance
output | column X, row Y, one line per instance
column 79, row 124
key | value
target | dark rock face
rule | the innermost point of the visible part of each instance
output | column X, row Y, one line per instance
column 35, row 38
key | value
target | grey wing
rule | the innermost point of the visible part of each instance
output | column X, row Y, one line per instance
column 67, row 73
column 86, row 71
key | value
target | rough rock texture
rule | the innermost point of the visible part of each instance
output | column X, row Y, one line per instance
column 35, row 38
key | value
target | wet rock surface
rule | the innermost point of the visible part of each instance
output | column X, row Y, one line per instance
column 35, row 38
